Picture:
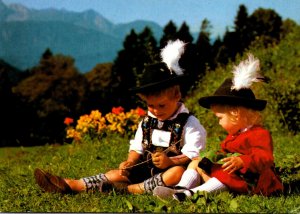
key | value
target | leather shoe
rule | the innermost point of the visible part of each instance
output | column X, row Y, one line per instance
column 51, row 183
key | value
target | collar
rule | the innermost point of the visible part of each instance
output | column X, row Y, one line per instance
column 181, row 109
column 245, row 129
column 241, row 131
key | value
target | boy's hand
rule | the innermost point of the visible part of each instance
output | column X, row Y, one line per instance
column 161, row 160
column 123, row 166
column 232, row 164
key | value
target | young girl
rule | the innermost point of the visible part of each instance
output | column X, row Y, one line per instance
column 249, row 165
column 165, row 142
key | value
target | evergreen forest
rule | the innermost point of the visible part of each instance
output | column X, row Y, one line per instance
column 35, row 101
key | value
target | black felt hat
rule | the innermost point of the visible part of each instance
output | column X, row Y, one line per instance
column 226, row 96
column 236, row 91
column 155, row 77
column 163, row 74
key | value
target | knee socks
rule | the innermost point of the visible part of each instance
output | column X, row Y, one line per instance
column 190, row 179
column 95, row 182
column 213, row 185
column 153, row 182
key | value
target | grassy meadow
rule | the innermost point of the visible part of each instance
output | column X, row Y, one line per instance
column 19, row 193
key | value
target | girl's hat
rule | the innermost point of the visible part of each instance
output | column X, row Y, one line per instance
column 163, row 74
column 237, row 91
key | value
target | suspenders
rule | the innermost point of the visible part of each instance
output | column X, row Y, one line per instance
column 174, row 126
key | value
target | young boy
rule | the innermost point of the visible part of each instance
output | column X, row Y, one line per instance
column 248, row 162
column 165, row 142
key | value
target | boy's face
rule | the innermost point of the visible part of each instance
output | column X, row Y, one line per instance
column 162, row 106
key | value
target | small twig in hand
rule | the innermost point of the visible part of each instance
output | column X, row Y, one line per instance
column 164, row 151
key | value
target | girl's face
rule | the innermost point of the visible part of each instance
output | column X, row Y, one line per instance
column 162, row 106
column 227, row 124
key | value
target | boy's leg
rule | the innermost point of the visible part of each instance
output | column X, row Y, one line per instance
column 93, row 183
column 101, row 182
column 56, row 184
column 147, row 186
column 168, row 178
column 173, row 175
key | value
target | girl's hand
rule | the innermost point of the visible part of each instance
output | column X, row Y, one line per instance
column 232, row 164
column 161, row 160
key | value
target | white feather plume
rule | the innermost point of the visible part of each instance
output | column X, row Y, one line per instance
column 246, row 73
column 171, row 54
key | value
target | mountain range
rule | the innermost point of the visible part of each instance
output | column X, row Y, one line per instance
column 86, row 36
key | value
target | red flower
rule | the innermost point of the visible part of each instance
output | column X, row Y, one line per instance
column 140, row 111
column 117, row 110
column 68, row 121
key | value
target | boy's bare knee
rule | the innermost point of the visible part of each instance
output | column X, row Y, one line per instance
column 116, row 176
column 173, row 175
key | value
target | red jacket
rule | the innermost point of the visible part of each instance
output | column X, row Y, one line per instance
column 256, row 148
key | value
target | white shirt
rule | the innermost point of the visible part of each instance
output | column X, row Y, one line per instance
column 194, row 136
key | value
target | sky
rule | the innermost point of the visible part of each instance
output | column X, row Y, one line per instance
column 220, row 13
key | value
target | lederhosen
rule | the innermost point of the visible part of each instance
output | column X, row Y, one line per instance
column 148, row 125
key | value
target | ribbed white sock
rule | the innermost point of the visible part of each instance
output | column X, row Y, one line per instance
column 213, row 185
column 190, row 179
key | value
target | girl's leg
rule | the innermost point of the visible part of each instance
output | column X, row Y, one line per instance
column 190, row 178
column 213, row 185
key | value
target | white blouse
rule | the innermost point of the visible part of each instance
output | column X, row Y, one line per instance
column 194, row 136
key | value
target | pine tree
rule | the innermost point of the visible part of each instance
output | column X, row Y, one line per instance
column 170, row 31
column 184, row 33
column 242, row 29
column 148, row 51
column 139, row 50
column 203, row 46
column 228, row 50
column 266, row 24
column 216, row 52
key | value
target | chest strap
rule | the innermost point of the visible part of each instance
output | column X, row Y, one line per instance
column 174, row 126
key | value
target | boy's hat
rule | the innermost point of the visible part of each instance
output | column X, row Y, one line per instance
column 237, row 91
column 163, row 74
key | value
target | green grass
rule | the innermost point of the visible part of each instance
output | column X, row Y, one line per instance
column 19, row 193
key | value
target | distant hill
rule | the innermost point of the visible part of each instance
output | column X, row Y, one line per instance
column 86, row 36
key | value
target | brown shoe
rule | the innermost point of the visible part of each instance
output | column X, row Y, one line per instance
column 51, row 183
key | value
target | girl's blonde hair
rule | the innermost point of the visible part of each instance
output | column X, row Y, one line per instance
column 239, row 114
column 172, row 92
